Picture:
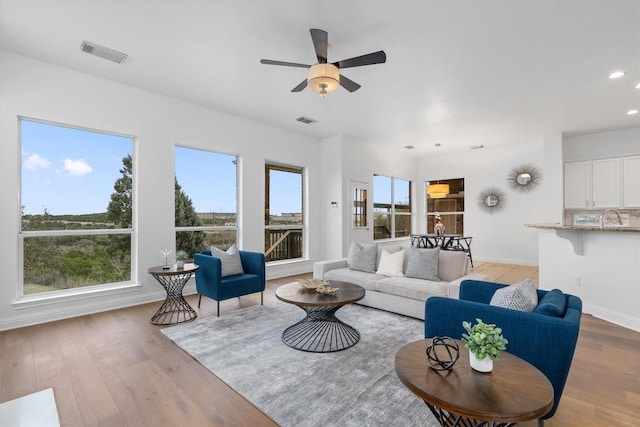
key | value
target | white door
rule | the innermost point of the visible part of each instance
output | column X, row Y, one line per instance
column 360, row 215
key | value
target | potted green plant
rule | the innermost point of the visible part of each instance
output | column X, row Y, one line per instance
column 181, row 257
column 484, row 342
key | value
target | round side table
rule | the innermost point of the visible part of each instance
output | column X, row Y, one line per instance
column 175, row 308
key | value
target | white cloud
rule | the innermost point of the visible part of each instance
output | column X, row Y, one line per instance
column 35, row 162
column 77, row 167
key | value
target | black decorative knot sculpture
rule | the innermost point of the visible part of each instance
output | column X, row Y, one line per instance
column 442, row 353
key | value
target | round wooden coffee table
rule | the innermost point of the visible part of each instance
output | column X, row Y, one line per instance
column 514, row 391
column 320, row 331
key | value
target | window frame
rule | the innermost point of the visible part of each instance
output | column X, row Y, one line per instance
column 21, row 297
column 431, row 215
column 205, row 228
column 269, row 166
column 393, row 212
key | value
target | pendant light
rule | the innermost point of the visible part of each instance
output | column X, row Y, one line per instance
column 437, row 190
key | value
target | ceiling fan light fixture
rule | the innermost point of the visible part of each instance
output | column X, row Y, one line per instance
column 323, row 78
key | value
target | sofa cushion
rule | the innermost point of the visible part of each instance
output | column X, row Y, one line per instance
column 452, row 265
column 230, row 260
column 521, row 296
column 366, row 280
column 391, row 264
column 553, row 303
column 423, row 264
column 391, row 249
column 411, row 288
column 362, row 257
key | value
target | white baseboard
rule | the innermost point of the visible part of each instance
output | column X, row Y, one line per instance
column 619, row 319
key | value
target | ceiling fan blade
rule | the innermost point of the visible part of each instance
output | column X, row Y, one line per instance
column 378, row 57
column 320, row 43
column 349, row 84
column 300, row 87
column 286, row 64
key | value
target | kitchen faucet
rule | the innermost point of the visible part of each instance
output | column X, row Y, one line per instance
column 605, row 213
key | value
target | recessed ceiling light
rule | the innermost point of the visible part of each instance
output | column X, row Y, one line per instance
column 638, row 86
column 616, row 74
column 632, row 112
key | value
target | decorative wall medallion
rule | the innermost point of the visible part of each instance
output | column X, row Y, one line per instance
column 524, row 177
column 491, row 200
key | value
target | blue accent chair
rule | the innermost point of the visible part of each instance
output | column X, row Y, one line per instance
column 547, row 342
column 210, row 283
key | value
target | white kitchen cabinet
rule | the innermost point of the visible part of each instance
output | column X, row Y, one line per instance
column 577, row 185
column 593, row 184
column 606, row 183
column 631, row 182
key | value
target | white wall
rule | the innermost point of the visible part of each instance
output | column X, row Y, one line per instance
column 332, row 191
column 605, row 275
column 42, row 91
column 501, row 236
column 355, row 160
column 616, row 143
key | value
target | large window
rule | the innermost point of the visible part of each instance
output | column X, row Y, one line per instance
column 391, row 207
column 205, row 200
column 283, row 218
column 76, row 198
column 450, row 209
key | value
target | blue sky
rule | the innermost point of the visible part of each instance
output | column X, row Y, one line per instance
column 69, row 171
column 72, row 171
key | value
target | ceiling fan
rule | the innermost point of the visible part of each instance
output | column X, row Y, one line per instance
column 324, row 77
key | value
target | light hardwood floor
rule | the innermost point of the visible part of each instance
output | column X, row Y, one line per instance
column 116, row 369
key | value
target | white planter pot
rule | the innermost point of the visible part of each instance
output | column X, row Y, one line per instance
column 180, row 265
column 484, row 365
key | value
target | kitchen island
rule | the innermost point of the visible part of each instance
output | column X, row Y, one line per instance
column 601, row 265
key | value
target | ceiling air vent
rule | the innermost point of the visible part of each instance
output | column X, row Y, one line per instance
column 103, row 52
column 306, row 120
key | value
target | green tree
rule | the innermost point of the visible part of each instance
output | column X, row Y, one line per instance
column 119, row 210
column 189, row 241
column 120, row 213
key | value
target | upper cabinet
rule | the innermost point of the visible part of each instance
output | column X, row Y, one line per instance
column 602, row 183
column 631, row 182
column 577, row 185
column 606, row 183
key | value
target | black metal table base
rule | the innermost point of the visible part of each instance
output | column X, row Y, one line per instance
column 320, row 332
column 175, row 308
column 447, row 419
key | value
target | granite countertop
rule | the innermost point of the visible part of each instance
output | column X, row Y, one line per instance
column 558, row 226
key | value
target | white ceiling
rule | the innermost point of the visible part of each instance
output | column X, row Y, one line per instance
column 458, row 72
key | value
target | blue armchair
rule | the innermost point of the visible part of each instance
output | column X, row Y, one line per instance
column 210, row 283
column 547, row 342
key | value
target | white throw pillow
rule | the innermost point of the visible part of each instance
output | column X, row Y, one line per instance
column 230, row 260
column 391, row 264
column 521, row 296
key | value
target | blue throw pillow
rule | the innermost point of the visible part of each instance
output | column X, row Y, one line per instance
column 552, row 304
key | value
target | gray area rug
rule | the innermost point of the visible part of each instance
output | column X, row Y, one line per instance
column 354, row 387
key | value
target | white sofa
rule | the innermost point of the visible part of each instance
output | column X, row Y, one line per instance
column 400, row 294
